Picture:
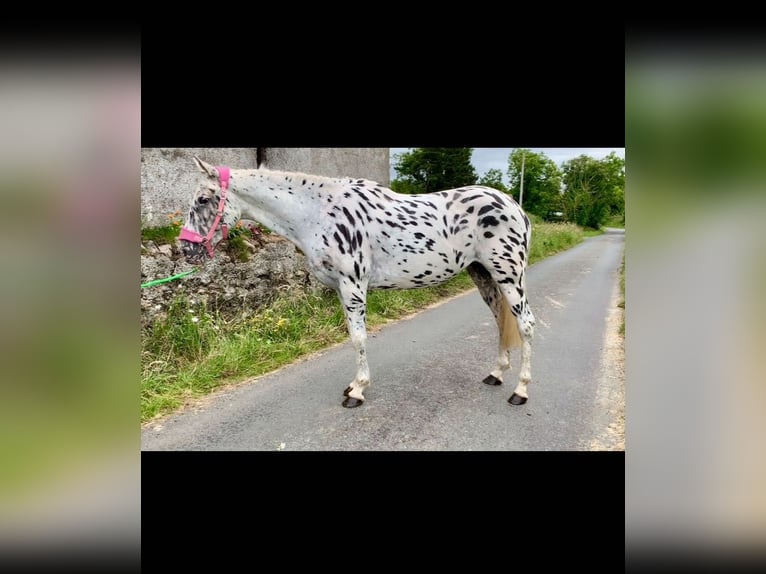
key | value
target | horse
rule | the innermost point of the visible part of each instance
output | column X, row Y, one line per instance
column 358, row 235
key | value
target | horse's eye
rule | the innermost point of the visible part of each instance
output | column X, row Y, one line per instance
column 203, row 200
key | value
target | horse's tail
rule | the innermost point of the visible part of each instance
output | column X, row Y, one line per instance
column 509, row 326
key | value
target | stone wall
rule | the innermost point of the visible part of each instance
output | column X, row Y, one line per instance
column 227, row 286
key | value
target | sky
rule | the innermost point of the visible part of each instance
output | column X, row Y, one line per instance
column 486, row 158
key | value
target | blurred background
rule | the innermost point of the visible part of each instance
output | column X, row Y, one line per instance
column 695, row 119
column 69, row 187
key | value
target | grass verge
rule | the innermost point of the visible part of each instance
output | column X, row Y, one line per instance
column 193, row 351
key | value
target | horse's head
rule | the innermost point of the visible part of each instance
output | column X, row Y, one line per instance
column 210, row 217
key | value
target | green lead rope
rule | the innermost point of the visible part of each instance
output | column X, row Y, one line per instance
column 166, row 279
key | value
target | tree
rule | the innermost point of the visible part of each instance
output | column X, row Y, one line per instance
column 405, row 186
column 428, row 169
column 614, row 168
column 493, row 178
column 595, row 189
column 542, row 181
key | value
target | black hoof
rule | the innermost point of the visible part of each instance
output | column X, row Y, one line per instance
column 494, row 381
column 517, row 400
column 347, row 391
column 351, row 402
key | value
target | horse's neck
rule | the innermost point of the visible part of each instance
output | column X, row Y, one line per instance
column 279, row 200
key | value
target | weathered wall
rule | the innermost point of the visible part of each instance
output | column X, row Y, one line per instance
column 168, row 176
column 369, row 163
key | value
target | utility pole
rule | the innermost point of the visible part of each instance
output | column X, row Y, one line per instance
column 521, row 185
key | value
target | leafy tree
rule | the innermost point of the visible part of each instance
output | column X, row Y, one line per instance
column 542, row 181
column 405, row 186
column 595, row 189
column 614, row 168
column 428, row 169
column 493, row 178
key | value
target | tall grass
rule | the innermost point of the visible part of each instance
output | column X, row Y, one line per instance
column 194, row 350
column 550, row 238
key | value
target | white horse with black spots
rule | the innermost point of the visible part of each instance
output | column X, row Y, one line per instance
column 358, row 235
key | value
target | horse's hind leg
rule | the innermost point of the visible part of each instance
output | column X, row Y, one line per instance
column 506, row 296
column 353, row 297
column 493, row 297
column 516, row 298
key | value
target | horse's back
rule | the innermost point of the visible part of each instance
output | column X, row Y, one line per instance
column 425, row 239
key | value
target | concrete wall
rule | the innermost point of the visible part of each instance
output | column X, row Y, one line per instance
column 168, row 175
column 368, row 163
column 169, row 178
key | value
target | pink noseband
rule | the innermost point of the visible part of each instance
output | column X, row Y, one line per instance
column 193, row 236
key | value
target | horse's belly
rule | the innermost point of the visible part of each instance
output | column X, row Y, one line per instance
column 412, row 270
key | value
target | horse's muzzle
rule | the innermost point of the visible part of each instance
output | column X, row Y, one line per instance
column 194, row 253
column 194, row 246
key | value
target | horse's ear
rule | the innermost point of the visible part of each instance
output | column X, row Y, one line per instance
column 205, row 168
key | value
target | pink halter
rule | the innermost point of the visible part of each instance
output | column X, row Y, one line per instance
column 193, row 236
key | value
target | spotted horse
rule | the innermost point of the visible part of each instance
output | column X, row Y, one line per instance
column 358, row 235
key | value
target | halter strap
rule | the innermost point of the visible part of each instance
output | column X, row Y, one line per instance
column 193, row 236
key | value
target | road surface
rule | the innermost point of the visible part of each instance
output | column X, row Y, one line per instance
column 426, row 391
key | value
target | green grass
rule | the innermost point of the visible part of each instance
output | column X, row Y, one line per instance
column 235, row 244
column 193, row 351
column 617, row 220
column 550, row 238
column 165, row 234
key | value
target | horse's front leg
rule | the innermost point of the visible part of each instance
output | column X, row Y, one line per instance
column 353, row 297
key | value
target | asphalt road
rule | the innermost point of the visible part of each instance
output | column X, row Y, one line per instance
column 426, row 391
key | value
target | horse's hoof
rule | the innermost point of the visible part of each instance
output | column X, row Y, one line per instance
column 517, row 399
column 347, row 391
column 491, row 380
column 351, row 402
